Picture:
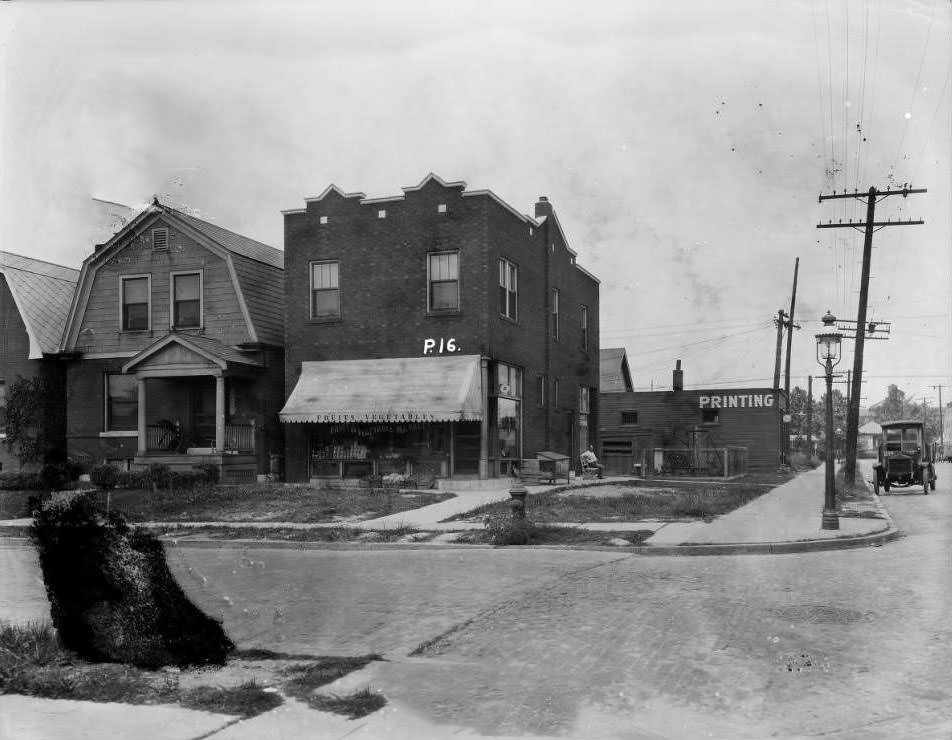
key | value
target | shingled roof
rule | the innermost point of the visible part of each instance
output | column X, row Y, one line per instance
column 42, row 292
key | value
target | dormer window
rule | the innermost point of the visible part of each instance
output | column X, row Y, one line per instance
column 186, row 300
column 160, row 240
column 136, row 295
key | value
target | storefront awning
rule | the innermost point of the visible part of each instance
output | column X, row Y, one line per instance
column 387, row 390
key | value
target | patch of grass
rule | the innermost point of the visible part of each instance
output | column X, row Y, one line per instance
column 353, row 706
column 265, row 503
column 320, row 534
column 633, row 502
column 302, row 681
column 528, row 533
column 245, row 700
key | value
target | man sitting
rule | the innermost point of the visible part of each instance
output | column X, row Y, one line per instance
column 590, row 462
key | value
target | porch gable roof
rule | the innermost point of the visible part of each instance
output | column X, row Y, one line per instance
column 210, row 350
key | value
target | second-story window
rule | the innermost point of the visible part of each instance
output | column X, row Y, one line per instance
column 583, row 319
column 555, row 313
column 136, row 299
column 186, row 300
column 443, row 280
column 325, row 290
column 508, row 289
column 583, row 399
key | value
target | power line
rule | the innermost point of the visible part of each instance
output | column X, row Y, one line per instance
column 915, row 88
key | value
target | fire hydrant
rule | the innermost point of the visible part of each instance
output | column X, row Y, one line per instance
column 517, row 503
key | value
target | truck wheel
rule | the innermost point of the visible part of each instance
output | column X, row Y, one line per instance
column 875, row 483
column 932, row 484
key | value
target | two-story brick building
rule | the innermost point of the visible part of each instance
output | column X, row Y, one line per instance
column 174, row 348
column 438, row 332
column 34, row 301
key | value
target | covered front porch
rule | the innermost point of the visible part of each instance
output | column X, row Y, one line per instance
column 188, row 407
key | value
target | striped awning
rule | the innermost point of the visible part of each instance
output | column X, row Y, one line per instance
column 404, row 389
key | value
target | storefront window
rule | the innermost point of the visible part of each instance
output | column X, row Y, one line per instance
column 508, row 411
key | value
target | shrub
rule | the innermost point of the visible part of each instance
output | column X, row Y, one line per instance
column 159, row 475
column 53, row 476
column 104, row 476
column 503, row 529
column 211, row 472
column 133, row 479
column 112, row 596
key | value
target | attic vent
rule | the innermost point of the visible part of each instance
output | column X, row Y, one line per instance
column 160, row 239
column 441, row 208
column 323, row 219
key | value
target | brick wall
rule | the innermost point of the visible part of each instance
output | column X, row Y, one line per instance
column 383, row 295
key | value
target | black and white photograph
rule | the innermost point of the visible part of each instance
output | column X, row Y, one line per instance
column 421, row 370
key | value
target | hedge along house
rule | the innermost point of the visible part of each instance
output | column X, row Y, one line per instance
column 34, row 303
column 175, row 348
column 438, row 333
column 682, row 431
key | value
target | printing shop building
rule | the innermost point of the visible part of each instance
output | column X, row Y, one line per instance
column 435, row 334
column 688, row 431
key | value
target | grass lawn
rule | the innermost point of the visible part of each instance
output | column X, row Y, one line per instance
column 250, row 503
column 636, row 500
column 32, row 662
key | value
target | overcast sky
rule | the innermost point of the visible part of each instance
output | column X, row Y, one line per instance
column 683, row 145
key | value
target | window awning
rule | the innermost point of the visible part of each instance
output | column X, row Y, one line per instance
column 387, row 390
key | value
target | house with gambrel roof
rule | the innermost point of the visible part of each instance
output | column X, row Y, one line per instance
column 34, row 302
column 174, row 346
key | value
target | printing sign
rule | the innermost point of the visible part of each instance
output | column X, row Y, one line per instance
column 737, row 401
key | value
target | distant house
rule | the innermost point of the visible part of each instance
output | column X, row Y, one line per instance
column 614, row 375
column 868, row 437
column 174, row 342
column 34, row 302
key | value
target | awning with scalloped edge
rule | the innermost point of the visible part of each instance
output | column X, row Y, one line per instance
column 404, row 389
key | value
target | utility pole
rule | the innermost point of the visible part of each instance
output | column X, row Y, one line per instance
column 941, row 422
column 868, row 226
column 779, row 321
column 786, row 383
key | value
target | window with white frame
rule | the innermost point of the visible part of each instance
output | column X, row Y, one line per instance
column 325, row 290
column 540, row 391
column 122, row 403
column 136, row 300
column 186, row 300
column 555, row 313
column 555, row 393
column 508, row 289
column 443, row 281
column 583, row 399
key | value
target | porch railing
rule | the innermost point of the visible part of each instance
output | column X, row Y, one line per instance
column 162, row 438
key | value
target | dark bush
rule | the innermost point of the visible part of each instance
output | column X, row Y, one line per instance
column 20, row 482
column 211, row 472
column 112, row 596
column 159, row 475
column 104, row 476
column 56, row 475
column 133, row 479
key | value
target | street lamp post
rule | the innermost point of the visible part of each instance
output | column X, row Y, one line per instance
column 828, row 355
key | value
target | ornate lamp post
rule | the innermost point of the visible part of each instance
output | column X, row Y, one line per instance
column 828, row 355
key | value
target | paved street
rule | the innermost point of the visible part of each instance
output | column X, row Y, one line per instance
column 839, row 644
column 844, row 644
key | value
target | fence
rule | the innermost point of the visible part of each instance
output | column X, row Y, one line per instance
column 723, row 462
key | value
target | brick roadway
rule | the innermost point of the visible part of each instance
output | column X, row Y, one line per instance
column 842, row 644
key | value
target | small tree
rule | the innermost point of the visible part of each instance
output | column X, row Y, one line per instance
column 34, row 413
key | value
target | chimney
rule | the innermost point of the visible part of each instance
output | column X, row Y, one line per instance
column 678, row 379
column 543, row 207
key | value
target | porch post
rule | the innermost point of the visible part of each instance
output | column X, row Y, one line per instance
column 219, row 414
column 484, row 424
column 142, row 442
